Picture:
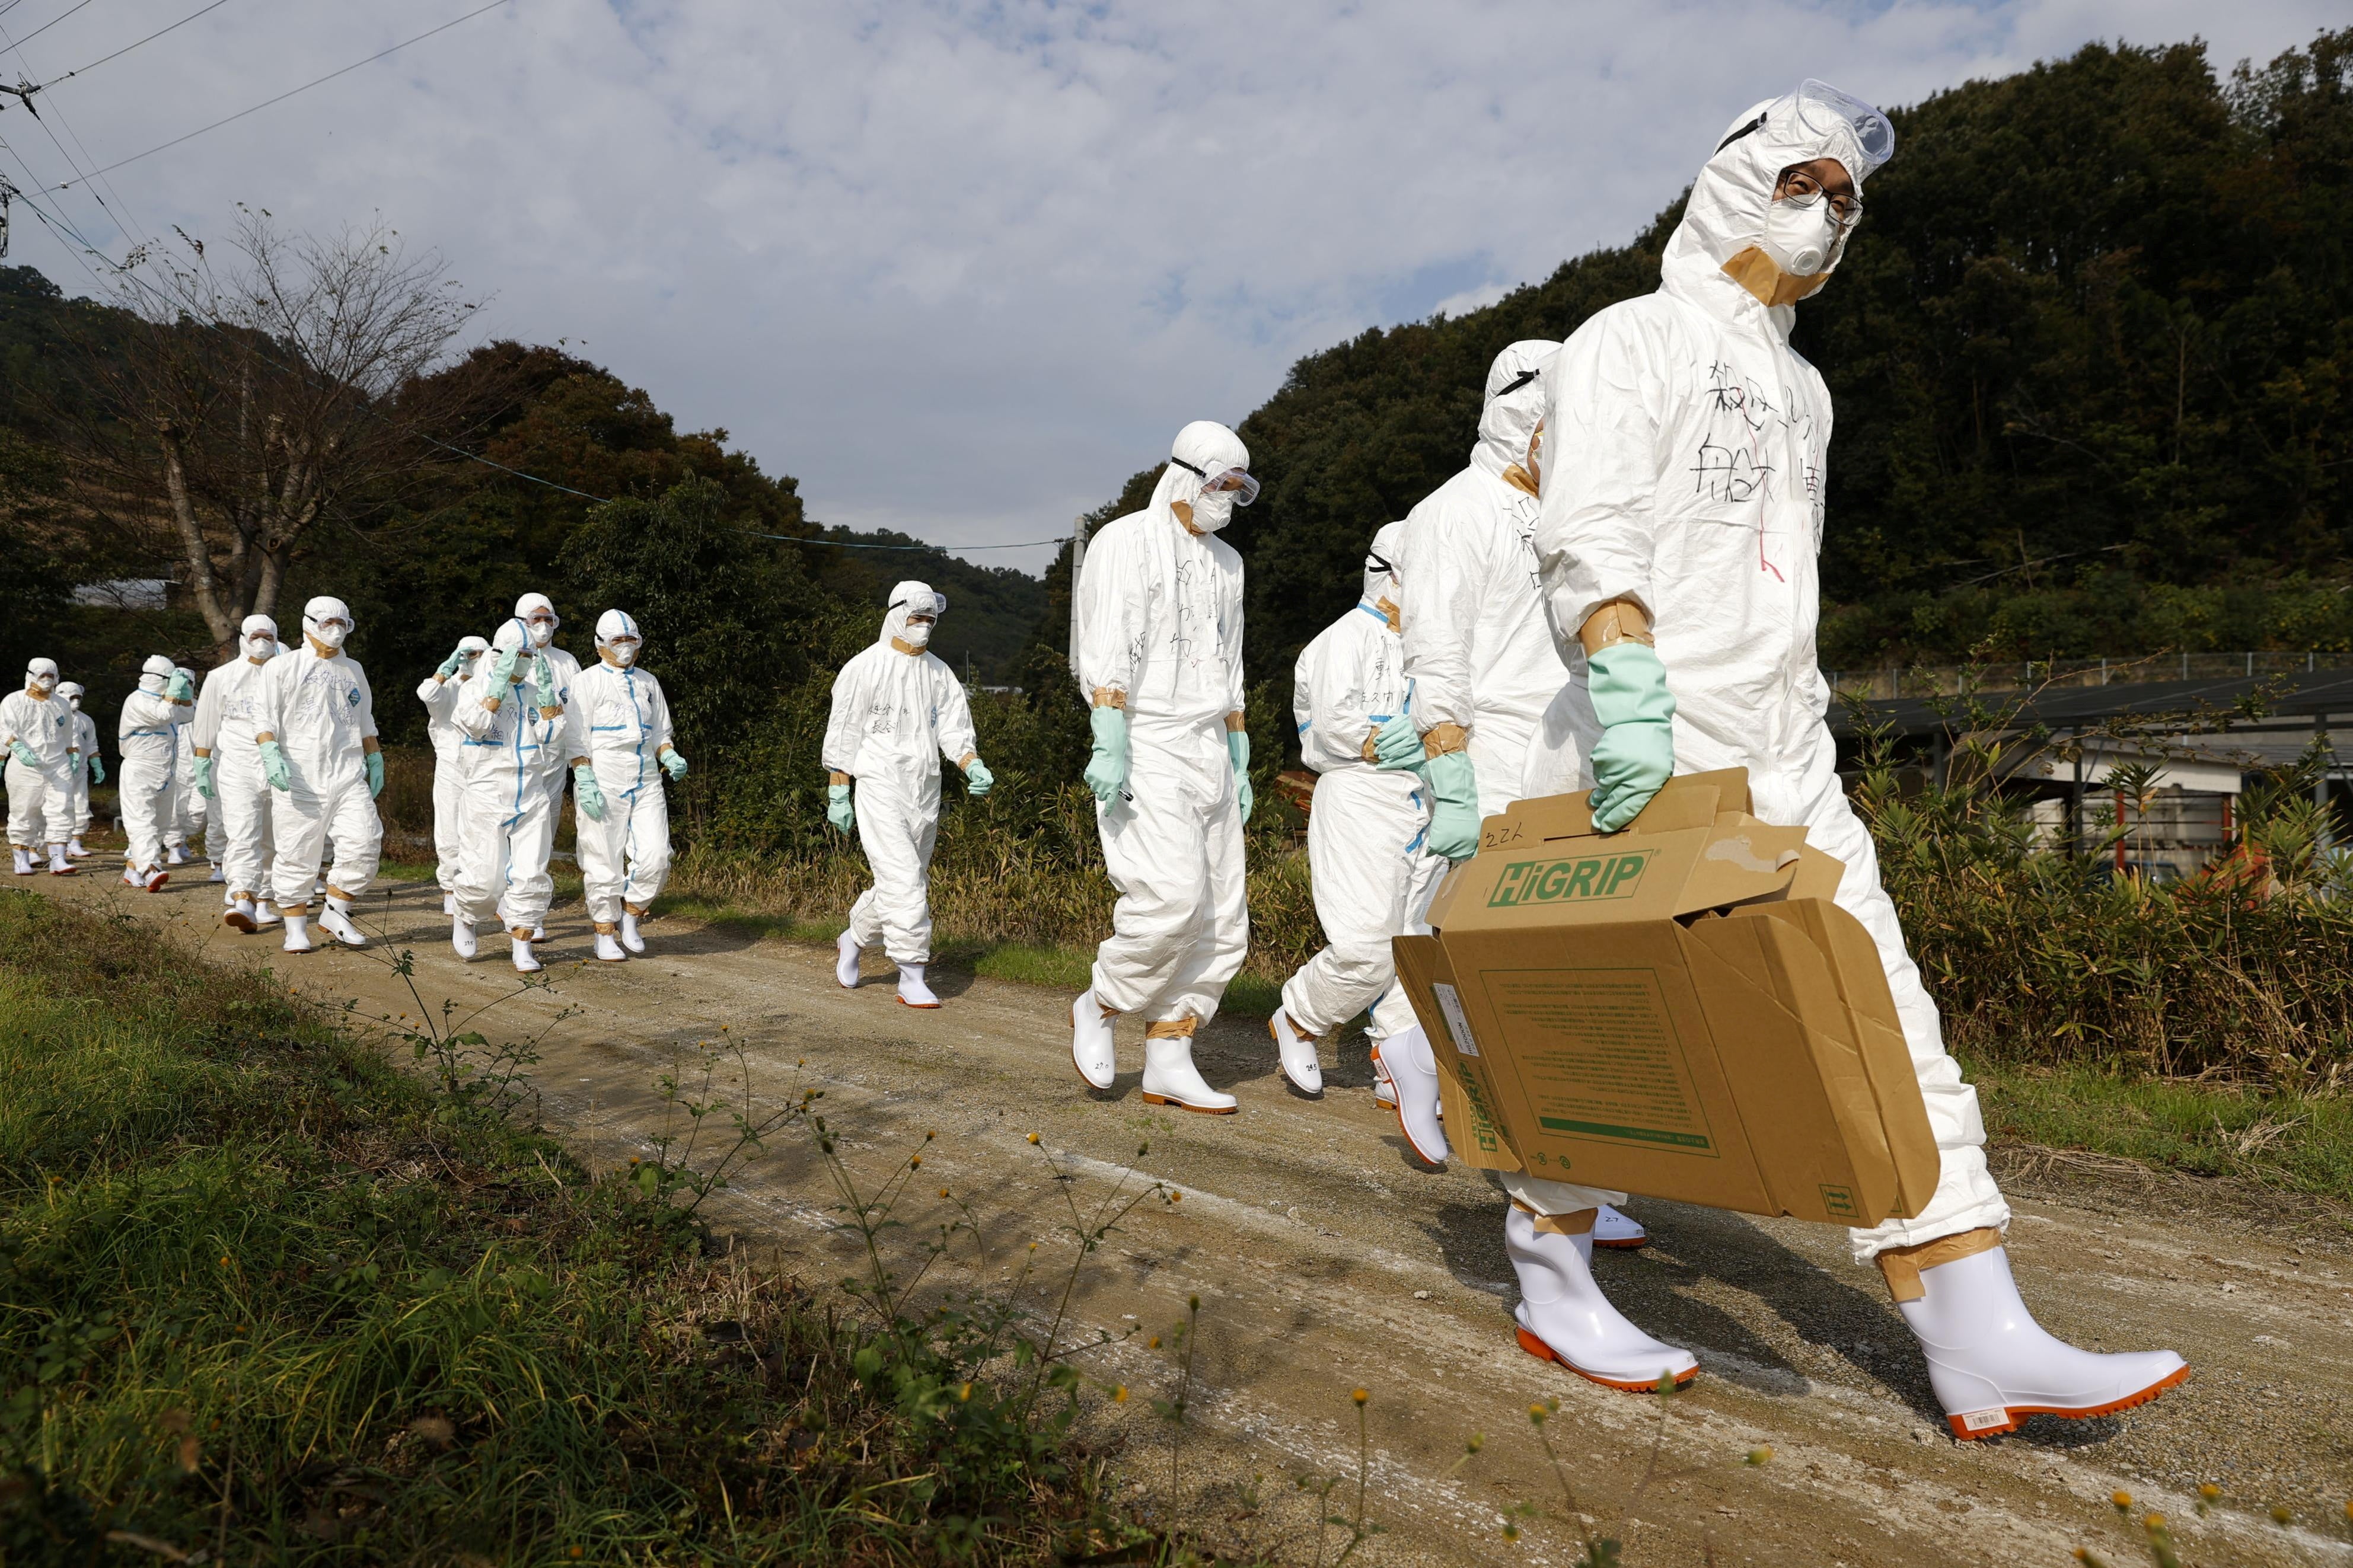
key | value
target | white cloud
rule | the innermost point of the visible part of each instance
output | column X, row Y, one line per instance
column 962, row 267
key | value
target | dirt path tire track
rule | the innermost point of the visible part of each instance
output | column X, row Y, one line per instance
column 1326, row 1259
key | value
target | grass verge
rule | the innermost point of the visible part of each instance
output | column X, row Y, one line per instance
column 265, row 1297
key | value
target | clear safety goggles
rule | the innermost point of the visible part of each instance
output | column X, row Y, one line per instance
column 916, row 604
column 1238, row 480
column 1799, row 189
column 1823, row 109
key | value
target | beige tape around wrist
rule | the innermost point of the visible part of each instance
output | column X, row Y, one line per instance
column 1618, row 620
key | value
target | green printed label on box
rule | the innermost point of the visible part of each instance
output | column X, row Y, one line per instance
column 1574, row 879
column 1596, row 1055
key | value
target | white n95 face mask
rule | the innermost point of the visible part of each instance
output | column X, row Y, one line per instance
column 624, row 653
column 542, row 632
column 1212, row 510
column 1800, row 238
column 260, row 648
column 331, row 634
column 916, row 633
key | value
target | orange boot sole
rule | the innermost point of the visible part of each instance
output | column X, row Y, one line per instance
column 1150, row 1098
column 1542, row 1351
column 2014, row 1414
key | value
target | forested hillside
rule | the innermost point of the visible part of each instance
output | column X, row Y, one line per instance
column 2092, row 350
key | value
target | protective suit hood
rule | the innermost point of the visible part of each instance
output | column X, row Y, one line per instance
column 1727, row 213
column 511, row 635
column 910, row 598
column 1516, row 405
column 619, row 624
column 325, row 608
column 155, row 672
column 1202, row 450
column 1380, row 565
column 253, row 626
column 71, row 691
column 41, row 669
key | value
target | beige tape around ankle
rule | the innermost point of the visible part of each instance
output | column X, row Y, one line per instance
column 1901, row 1266
column 1172, row 1029
column 1578, row 1224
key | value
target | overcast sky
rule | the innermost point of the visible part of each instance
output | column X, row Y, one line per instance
column 963, row 268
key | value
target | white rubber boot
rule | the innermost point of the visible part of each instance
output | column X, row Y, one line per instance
column 845, row 960
column 1565, row 1317
column 1297, row 1054
column 130, row 876
column 1412, row 1072
column 609, row 948
column 523, row 962
column 1090, row 1042
column 298, row 934
column 461, row 937
column 25, row 865
column 1384, row 1087
column 265, row 914
column 238, row 916
column 176, row 855
column 1611, row 1228
column 449, row 904
column 155, row 878
column 1992, row 1365
column 74, row 851
column 59, row 864
column 1171, row 1078
column 912, row 992
column 218, row 875
column 631, row 936
column 539, row 931
column 336, row 922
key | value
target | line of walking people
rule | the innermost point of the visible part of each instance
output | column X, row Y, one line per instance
column 1621, row 586
column 277, row 758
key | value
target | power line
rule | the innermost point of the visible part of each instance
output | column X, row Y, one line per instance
column 52, row 21
column 24, row 96
column 282, row 97
column 126, row 48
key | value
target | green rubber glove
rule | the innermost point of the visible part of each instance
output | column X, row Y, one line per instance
column 1237, row 752
column 180, row 688
column 1106, row 772
column 588, row 792
column 273, row 766
column 98, row 768
column 25, row 753
column 838, row 809
column 1397, row 744
column 1636, row 753
column 374, row 765
column 204, row 776
column 978, row 779
column 1454, row 805
column 543, row 683
column 451, row 665
column 502, row 670
column 673, row 764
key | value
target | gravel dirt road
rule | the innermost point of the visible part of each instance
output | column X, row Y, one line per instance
column 1326, row 1259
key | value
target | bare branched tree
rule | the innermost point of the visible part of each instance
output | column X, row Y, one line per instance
column 262, row 397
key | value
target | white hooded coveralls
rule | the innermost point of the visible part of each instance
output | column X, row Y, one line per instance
column 1478, row 649
column 77, row 802
column 440, row 700
column 1684, row 454
column 894, row 716
column 191, row 813
column 229, row 714
column 556, row 761
column 625, row 858
column 1160, row 621
column 40, row 808
column 1368, row 828
column 320, row 710
column 507, row 819
column 147, row 737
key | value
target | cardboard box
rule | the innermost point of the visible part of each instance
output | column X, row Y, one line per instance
column 1676, row 1009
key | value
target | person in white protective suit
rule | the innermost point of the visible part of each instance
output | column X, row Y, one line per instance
column 438, row 691
column 539, row 618
column 1682, row 513
column 37, row 731
column 512, row 721
column 1483, row 665
column 189, row 815
column 147, row 737
column 624, row 854
column 1159, row 643
column 231, row 715
column 897, row 709
column 318, row 743
column 88, row 767
column 1367, row 834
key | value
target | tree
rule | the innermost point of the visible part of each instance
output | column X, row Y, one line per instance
column 254, row 401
